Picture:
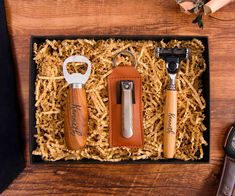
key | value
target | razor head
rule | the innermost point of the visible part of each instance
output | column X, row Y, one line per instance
column 173, row 56
column 181, row 53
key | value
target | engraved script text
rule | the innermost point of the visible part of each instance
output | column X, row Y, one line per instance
column 171, row 117
column 75, row 129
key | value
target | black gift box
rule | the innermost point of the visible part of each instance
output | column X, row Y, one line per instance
column 206, row 93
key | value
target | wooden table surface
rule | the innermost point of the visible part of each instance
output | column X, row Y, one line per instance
column 132, row 17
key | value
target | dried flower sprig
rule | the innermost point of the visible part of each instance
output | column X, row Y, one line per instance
column 196, row 9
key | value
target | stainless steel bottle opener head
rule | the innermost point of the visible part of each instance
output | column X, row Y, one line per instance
column 77, row 78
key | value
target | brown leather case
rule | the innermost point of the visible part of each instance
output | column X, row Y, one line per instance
column 115, row 113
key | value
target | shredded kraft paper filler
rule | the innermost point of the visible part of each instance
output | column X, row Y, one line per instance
column 51, row 92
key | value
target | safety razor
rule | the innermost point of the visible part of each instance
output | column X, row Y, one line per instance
column 172, row 57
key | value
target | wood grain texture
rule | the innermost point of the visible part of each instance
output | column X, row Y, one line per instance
column 146, row 17
column 170, row 124
column 76, row 118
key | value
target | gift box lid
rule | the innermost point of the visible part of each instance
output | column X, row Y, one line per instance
column 11, row 143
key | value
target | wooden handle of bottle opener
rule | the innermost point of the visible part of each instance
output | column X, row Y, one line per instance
column 76, row 118
column 170, row 120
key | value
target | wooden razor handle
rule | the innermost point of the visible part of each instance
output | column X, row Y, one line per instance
column 76, row 119
column 170, row 121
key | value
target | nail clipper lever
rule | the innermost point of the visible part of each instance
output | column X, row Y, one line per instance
column 127, row 108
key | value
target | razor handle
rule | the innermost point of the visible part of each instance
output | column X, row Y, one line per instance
column 170, row 120
column 76, row 118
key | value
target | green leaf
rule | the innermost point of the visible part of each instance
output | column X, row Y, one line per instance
column 199, row 21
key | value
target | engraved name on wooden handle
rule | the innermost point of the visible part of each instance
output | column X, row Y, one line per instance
column 76, row 119
column 170, row 120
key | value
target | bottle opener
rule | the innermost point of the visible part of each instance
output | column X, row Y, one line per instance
column 76, row 111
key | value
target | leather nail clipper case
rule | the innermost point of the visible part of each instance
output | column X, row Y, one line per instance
column 126, row 73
